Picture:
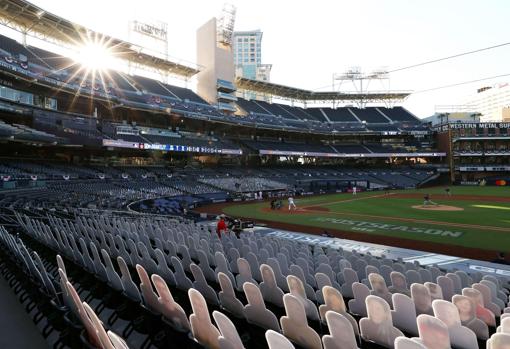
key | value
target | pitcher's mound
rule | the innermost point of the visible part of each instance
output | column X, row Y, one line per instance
column 438, row 208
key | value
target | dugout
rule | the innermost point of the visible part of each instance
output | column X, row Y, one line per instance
column 331, row 185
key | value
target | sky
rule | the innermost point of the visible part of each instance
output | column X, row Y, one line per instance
column 308, row 41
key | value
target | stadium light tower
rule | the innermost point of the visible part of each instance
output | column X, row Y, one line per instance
column 226, row 24
column 361, row 81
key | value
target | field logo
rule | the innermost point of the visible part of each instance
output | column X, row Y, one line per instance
column 485, row 269
column 372, row 226
column 333, row 243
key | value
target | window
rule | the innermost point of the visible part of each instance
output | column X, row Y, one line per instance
column 16, row 96
column 50, row 103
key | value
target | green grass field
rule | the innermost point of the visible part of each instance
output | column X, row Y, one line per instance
column 484, row 222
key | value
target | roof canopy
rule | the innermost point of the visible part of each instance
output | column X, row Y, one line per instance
column 293, row 93
column 27, row 18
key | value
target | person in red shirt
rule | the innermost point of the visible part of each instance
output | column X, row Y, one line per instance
column 221, row 227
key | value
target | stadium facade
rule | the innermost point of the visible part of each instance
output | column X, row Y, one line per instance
column 477, row 151
column 48, row 101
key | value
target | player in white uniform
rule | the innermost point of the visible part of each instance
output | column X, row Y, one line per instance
column 354, row 190
column 291, row 203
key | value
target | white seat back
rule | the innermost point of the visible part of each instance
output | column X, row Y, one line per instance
column 434, row 290
column 341, row 334
column 499, row 341
column 404, row 313
column 255, row 311
column 297, row 289
column 433, row 332
column 460, row 336
column 467, row 314
column 357, row 305
column 408, row 343
column 378, row 326
column 268, row 287
column 276, row 340
column 422, row 299
column 227, row 296
column 295, row 326
column 229, row 338
column 333, row 301
column 201, row 326
column 170, row 309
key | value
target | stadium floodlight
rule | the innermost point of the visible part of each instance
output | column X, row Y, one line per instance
column 226, row 24
column 361, row 81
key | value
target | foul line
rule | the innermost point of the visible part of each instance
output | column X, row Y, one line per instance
column 413, row 220
column 348, row 200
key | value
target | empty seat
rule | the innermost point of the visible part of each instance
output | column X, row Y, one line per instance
column 408, row 343
column 297, row 289
column 202, row 328
column 398, row 283
column 229, row 338
column 341, row 334
column 130, row 288
column 276, row 340
column 104, row 338
column 434, row 290
column 255, row 311
column 268, row 287
column 200, row 284
column 487, row 298
column 227, row 296
column 499, row 341
column 378, row 326
column 333, row 301
column 404, row 313
column 357, row 305
column 182, row 281
column 170, row 309
column 447, row 287
column 350, row 277
column 481, row 312
column 244, row 275
column 467, row 314
column 433, row 332
column 150, row 299
column 460, row 336
column 505, row 324
column 295, row 326
column 422, row 299
column 378, row 287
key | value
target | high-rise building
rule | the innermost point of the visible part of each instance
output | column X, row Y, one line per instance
column 492, row 102
column 247, row 46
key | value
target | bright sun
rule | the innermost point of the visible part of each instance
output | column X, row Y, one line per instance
column 95, row 56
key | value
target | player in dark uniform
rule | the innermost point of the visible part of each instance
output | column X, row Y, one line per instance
column 427, row 201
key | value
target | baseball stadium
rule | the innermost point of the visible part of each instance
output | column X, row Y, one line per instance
column 211, row 201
